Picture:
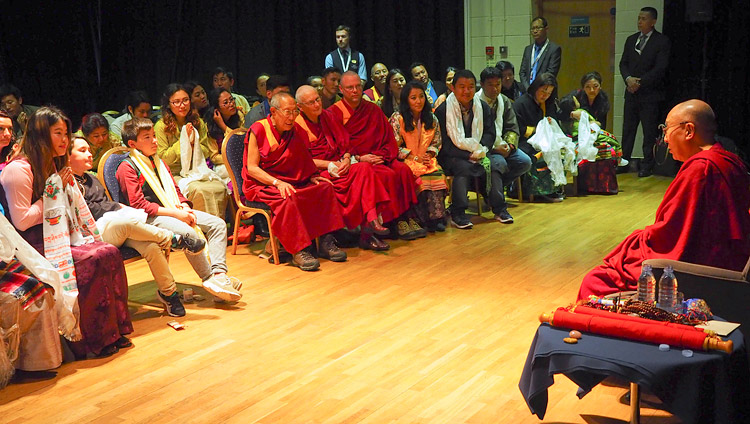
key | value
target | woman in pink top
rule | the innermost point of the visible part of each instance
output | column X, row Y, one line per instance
column 100, row 273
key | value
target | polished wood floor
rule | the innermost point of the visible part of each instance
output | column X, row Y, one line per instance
column 434, row 331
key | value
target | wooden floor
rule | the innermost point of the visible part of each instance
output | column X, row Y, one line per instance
column 434, row 331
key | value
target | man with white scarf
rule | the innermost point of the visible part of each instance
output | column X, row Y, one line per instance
column 508, row 162
column 469, row 125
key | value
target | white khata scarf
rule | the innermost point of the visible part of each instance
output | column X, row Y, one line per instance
column 192, row 161
column 67, row 222
column 454, row 125
column 498, row 119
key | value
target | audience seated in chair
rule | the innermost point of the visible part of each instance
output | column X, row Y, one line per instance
column 198, row 96
column 121, row 225
column 137, row 105
column 371, row 140
column 466, row 143
column 449, row 73
column 146, row 184
column 95, row 130
column 274, row 84
column 378, row 75
column 357, row 188
column 703, row 218
column 99, row 271
column 394, row 83
column 279, row 171
column 11, row 101
column 508, row 161
column 222, row 116
column 530, row 108
column 418, row 135
column 225, row 79
column 183, row 137
column 600, row 176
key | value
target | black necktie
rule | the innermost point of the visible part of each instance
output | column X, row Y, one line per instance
column 344, row 58
column 641, row 42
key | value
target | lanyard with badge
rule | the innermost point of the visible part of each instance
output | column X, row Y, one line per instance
column 348, row 60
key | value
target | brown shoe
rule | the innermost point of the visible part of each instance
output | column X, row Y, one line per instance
column 329, row 250
column 305, row 261
column 373, row 243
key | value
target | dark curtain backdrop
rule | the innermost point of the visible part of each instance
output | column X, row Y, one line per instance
column 51, row 53
column 727, row 62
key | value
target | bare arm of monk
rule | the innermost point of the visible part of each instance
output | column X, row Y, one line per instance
column 258, row 174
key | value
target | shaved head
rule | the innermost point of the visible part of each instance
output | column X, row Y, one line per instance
column 700, row 113
column 349, row 74
column 278, row 99
column 304, row 90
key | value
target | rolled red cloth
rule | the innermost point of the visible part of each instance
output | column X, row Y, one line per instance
column 631, row 330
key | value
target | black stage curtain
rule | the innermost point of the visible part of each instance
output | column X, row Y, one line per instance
column 86, row 56
column 726, row 63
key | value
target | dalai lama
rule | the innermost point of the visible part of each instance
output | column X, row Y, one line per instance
column 703, row 218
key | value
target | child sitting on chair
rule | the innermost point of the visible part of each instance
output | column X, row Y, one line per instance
column 122, row 225
column 146, row 183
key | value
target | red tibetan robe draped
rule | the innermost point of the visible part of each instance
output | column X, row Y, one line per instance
column 371, row 133
column 703, row 219
column 358, row 190
column 310, row 212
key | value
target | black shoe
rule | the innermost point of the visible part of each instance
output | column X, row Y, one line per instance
column 172, row 304
column 261, row 225
column 188, row 242
column 123, row 342
column 504, row 217
column 645, row 172
column 305, row 261
column 329, row 250
column 373, row 243
column 462, row 221
column 440, row 226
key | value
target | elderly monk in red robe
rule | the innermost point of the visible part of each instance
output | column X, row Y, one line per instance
column 357, row 187
column 279, row 171
column 703, row 218
column 371, row 140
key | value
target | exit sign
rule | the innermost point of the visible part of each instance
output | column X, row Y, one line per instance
column 579, row 31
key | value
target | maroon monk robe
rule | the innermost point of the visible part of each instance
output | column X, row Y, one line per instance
column 703, row 219
column 371, row 133
column 310, row 212
column 358, row 190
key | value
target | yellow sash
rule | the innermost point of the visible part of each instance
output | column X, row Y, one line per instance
column 273, row 143
column 302, row 122
column 163, row 185
column 344, row 111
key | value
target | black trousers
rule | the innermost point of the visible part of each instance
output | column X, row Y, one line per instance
column 638, row 112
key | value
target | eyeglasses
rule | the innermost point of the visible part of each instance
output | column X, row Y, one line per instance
column 660, row 143
column 312, row 102
column 229, row 101
column 536, row 28
column 178, row 103
column 289, row 112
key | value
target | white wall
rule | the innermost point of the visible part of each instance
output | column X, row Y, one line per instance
column 495, row 23
column 506, row 23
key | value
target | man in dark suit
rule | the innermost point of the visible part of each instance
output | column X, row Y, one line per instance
column 541, row 56
column 643, row 66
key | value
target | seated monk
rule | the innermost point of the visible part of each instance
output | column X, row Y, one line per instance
column 357, row 187
column 371, row 140
column 703, row 218
column 280, row 172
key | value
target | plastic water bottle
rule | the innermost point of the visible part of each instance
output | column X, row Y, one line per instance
column 668, row 290
column 647, row 285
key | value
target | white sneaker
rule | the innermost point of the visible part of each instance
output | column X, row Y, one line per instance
column 623, row 162
column 220, row 286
